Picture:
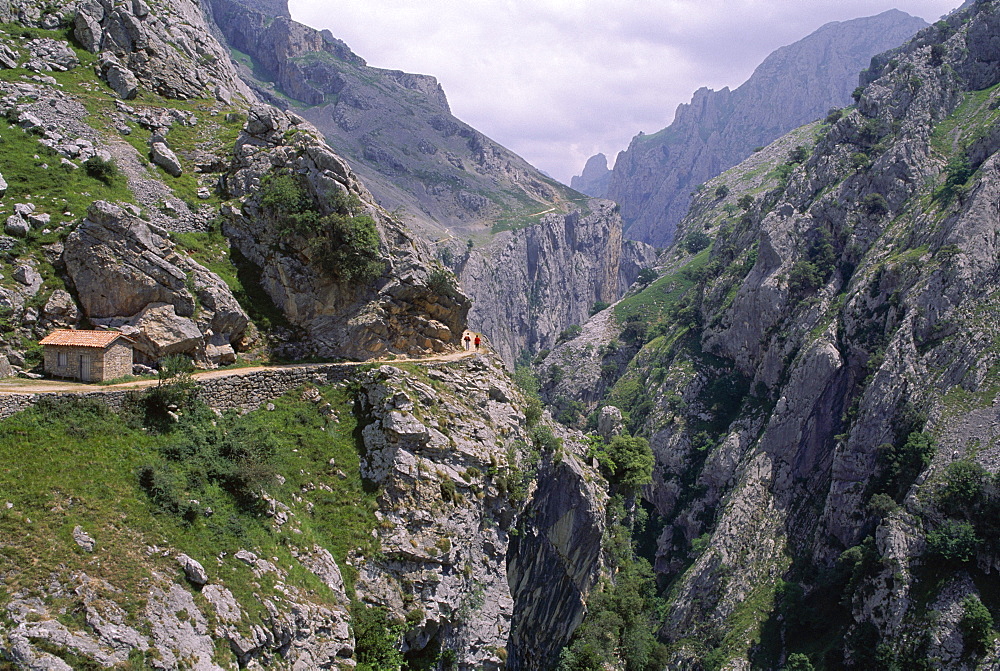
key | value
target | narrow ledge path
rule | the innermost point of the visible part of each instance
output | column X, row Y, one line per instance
column 48, row 386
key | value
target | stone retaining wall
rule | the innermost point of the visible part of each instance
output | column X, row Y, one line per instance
column 242, row 390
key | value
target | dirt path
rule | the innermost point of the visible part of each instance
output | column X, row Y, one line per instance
column 26, row 386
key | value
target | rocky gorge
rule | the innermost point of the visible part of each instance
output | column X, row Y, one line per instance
column 770, row 445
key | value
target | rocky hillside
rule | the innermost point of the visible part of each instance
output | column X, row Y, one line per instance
column 814, row 370
column 404, row 516
column 163, row 200
column 653, row 179
column 395, row 128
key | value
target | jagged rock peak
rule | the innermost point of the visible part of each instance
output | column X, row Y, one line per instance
column 652, row 180
column 595, row 177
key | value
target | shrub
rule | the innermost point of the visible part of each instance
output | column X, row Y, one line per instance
column 645, row 276
column 860, row 160
column 875, row 204
column 745, row 201
column 798, row 155
column 834, row 115
column 696, row 241
column 628, row 460
column 544, row 439
column 902, row 464
column 570, row 332
column 448, row 492
column 443, row 282
column 599, row 306
column 954, row 542
column 721, row 191
column 957, row 174
column 798, row 662
column 99, row 168
column 976, row 624
column 963, row 484
column 351, row 249
column 377, row 638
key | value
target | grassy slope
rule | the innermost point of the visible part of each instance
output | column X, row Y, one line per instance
column 77, row 465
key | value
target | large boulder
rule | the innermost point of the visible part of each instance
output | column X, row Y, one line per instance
column 159, row 331
column 162, row 156
column 128, row 274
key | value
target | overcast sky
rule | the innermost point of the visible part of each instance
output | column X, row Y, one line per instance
column 558, row 81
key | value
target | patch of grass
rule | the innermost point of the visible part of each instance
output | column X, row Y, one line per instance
column 655, row 301
column 52, row 187
column 78, row 463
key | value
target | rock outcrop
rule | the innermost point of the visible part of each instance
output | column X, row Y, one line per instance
column 497, row 551
column 408, row 308
column 595, row 178
column 652, row 180
column 128, row 275
column 531, row 284
column 816, row 387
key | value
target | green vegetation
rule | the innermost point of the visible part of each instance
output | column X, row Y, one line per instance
column 902, row 463
column 51, row 185
column 654, row 303
column 627, row 461
column 212, row 250
column 377, row 638
column 976, row 624
column 623, row 614
column 570, row 332
column 810, row 273
column 192, row 484
column 695, row 241
column 346, row 245
column 953, row 542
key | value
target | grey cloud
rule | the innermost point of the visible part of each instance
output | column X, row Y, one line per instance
column 559, row 80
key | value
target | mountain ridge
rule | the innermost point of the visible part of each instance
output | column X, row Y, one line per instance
column 797, row 83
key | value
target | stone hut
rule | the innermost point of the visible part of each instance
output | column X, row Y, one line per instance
column 88, row 356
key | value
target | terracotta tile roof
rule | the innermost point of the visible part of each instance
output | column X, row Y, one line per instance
column 70, row 338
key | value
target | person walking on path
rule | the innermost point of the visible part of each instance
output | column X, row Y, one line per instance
column 477, row 342
column 467, row 339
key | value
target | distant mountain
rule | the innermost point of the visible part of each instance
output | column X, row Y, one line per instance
column 653, row 179
column 595, row 178
column 396, row 129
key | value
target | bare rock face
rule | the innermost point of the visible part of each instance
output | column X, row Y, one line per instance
column 128, row 275
column 169, row 50
column 398, row 312
column 394, row 127
column 446, row 508
column 530, row 284
column 595, row 177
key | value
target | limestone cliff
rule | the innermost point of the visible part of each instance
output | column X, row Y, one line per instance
column 652, row 180
column 816, row 384
column 532, row 283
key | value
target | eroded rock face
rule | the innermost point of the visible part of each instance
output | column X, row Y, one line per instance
column 127, row 275
column 397, row 312
column 529, row 285
column 772, row 428
column 169, row 51
column 446, row 538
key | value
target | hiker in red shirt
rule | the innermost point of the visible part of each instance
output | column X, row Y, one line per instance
column 477, row 342
column 467, row 339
